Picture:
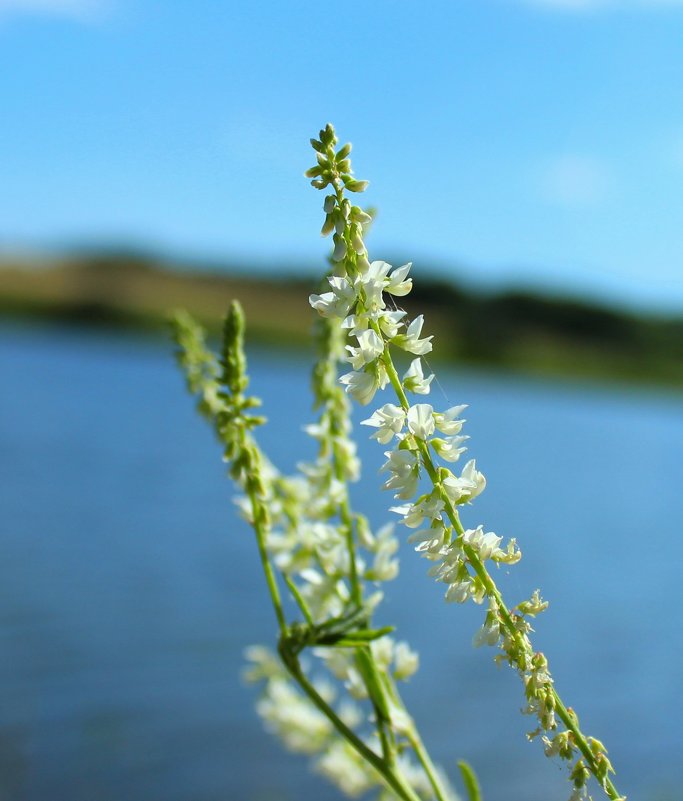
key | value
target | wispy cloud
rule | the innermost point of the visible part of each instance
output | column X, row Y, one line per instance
column 81, row 10
column 599, row 5
column 575, row 180
column 568, row 5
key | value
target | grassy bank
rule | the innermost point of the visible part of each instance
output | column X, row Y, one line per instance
column 517, row 331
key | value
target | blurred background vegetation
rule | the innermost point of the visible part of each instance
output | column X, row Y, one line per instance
column 518, row 330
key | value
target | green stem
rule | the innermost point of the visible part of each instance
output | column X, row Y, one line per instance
column 388, row 751
column 417, row 745
column 298, row 597
column 394, row 779
column 270, row 580
column 344, row 510
column 377, row 691
column 260, row 523
column 427, row 764
column 347, row 522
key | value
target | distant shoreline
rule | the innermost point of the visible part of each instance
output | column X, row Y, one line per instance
column 519, row 331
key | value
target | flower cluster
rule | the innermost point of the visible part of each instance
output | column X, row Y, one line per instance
column 302, row 728
column 326, row 553
column 422, row 438
column 353, row 722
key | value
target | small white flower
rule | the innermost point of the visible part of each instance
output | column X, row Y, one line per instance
column 488, row 634
column 294, row 718
column 356, row 323
column 350, row 713
column 449, row 448
column 447, row 421
column 372, row 281
column 370, row 346
column 401, row 723
column 421, row 420
column 390, row 322
column 362, row 385
column 414, row 380
column 430, row 541
column 475, row 478
column 384, row 566
column 404, row 468
column 265, row 664
column 579, row 793
column 342, row 766
column 459, row 591
column 388, row 420
column 317, row 431
column 336, row 303
column 485, row 544
column 534, row 606
column 457, row 489
column 398, row 283
column 411, row 341
column 406, row 661
column 465, row 487
column 383, row 651
column 428, row 507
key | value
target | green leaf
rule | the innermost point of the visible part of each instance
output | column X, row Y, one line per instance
column 373, row 684
column 470, row 780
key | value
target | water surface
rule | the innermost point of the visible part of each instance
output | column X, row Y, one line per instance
column 129, row 589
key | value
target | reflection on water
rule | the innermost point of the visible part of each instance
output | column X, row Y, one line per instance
column 128, row 589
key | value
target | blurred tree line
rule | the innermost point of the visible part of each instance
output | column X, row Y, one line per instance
column 518, row 330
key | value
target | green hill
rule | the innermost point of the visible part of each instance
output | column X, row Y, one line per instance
column 515, row 330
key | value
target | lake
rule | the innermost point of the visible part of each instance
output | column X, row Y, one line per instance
column 129, row 589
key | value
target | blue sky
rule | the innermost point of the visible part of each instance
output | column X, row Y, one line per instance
column 534, row 142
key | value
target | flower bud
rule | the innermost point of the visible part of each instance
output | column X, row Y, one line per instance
column 358, row 215
column 356, row 186
column 362, row 262
column 357, row 238
column 328, row 136
column 328, row 225
column 339, row 222
column 343, row 152
column 339, row 248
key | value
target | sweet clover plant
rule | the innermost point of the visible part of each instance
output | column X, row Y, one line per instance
column 331, row 687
